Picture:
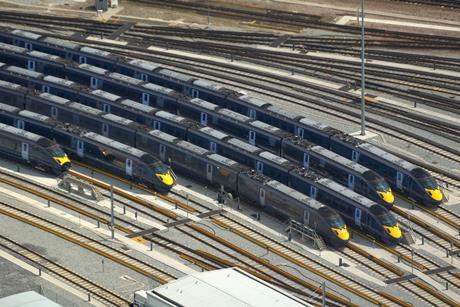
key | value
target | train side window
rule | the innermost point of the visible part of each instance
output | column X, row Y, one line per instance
column 156, row 125
column 313, row 192
column 31, row 65
column 93, row 83
column 299, row 132
column 213, row 146
column 19, row 124
column 15, row 42
column 82, row 59
column 54, row 112
column 45, row 89
column 162, row 151
column 28, row 46
column 252, row 137
column 105, row 129
column 355, row 155
column 195, row 93
column 106, row 108
column 252, row 113
column 204, row 119
column 146, row 99
column 80, row 148
column 306, row 160
column 259, row 166
column 144, row 77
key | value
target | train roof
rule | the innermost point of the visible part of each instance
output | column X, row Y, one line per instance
column 176, row 75
column 59, row 81
column 339, row 159
column 114, row 144
column 54, row 98
column 382, row 154
column 171, row 117
column 163, row 136
column 243, row 145
column 125, row 78
column 95, row 51
column 253, row 100
column 234, row 115
column 204, row 104
column 105, row 95
column 213, row 86
column 265, row 126
column 214, row 133
column 86, row 109
column 158, row 88
column 313, row 123
column 138, row 106
column 45, row 56
column 273, row 158
column 13, row 48
column 61, row 43
column 24, row 72
column 93, row 69
column 146, row 65
column 283, row 112
column 278, row 186
column 119, row 120
column 21, row 133
column 191, row 147
column 8, row 108
column 35, row 116
column 223, row 160
column 9, row 85
column 347, row 193
column 26, row 34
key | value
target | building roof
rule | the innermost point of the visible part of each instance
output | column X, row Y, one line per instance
column 229, row 287
column 27, row 299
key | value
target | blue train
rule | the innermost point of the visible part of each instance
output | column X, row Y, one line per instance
column 196, row 162
column 309, row 156
column 404, row 177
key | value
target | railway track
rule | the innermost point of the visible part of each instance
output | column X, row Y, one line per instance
column 84, row 284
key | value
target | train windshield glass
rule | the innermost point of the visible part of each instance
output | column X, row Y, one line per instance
column 377, row 181
column 56, row 151
column 427, row 181
column 383, row 215
column 333, row 219
column 159, row 168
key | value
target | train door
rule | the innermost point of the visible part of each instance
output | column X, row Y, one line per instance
column 299, row 132
column 252, row 113
column 209, row 172
column 106, row 108
column 94, row 83
column 129, row 167
column 162, row 152
column 156, row 125
column 25, row 151
column 146, row 99
column 306, row 160
column 204, row 119
column 80, row 148
column 194, row 93
column 313, row 192
column 355, row 155
column 358, row 214
column 252, row 137
column 262, row 197
column 212, row 146
column 105, row 129
column 20, row 124
column 259, row 167
column 351, row 181
column 399, row 180
column 45, row 89
column 31, row 65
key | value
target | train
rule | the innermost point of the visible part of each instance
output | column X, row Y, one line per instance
column 32, row 149
column 403, row 177
column 346, row 172
column 354, row 208
column 193, row 161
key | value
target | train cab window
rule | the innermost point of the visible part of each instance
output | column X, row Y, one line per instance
column 252, row 137
column 427, row 181
column 195, row 93
column 383, row 215
column 212, row 146
column 306, row 160
column 16, row 42
column 31, row 65
column 28, row 46
column 259, row 166
column 156, row 125
column 299, row 132
column 19, row 124
column 54, row 112
column 94, row 83
column 45, row 89
column 204, row 119
column 313, row 192
column 146, row 99
column 82, row 59
column 252, row 113
column 355, row 156
column 106, row 108
column 332, row 218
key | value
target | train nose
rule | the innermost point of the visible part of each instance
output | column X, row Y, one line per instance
column 66, row 166
column 343, row 233
column 436, row 194
column 166, row 179
column 394, row 232
column 387, row 197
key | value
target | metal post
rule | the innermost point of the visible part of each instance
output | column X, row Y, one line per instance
column 103, row 267
column 39, row 271
column 340, row 261
column 323, row 286
column 412, row 262
column 151, row 245
column 49, row 203
column 112, row 224
column 363, row 102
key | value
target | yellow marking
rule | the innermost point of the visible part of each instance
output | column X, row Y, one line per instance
column 343, row 233
column 371, row 99
column 166, row 178
column 140, row 240
column 388, row 197
column 62, row 160
column 436, row 194
column 395, row 231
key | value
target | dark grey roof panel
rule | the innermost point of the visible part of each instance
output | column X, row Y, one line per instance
column 157, row 88
column 278, row 186
column 36, row 116
column 191, row 147
column 243, row 145
column 382, row 154
column 234, row 115
column 125, row 78
column 85, row 109
column 60, row 81
column 22, row 133
column 114, row 144
column 204, row 104
column 95, row 51
column 45, row 56
column 214, row 86
column 8, row 108
column 144, row 64
column 253, row 100
column 138, row 106
column 335, row 158
column 6, row 84
column 272, row 157
column 12, row 48
column 54, row 98
column 222, row 160
column 213, row 132
column 26, row 34
column 312, row 123
column 105, row 95
column 94, row 69
column 61, row 43
column 264, row 126
column 24, row 72
column 118, row 119
column 283, row 112
column 346, row 192
column 176, row 75
column 170, row 116
column 161, row 135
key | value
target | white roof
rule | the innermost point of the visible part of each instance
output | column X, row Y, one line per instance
column 27, row 299
column 229, row 287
